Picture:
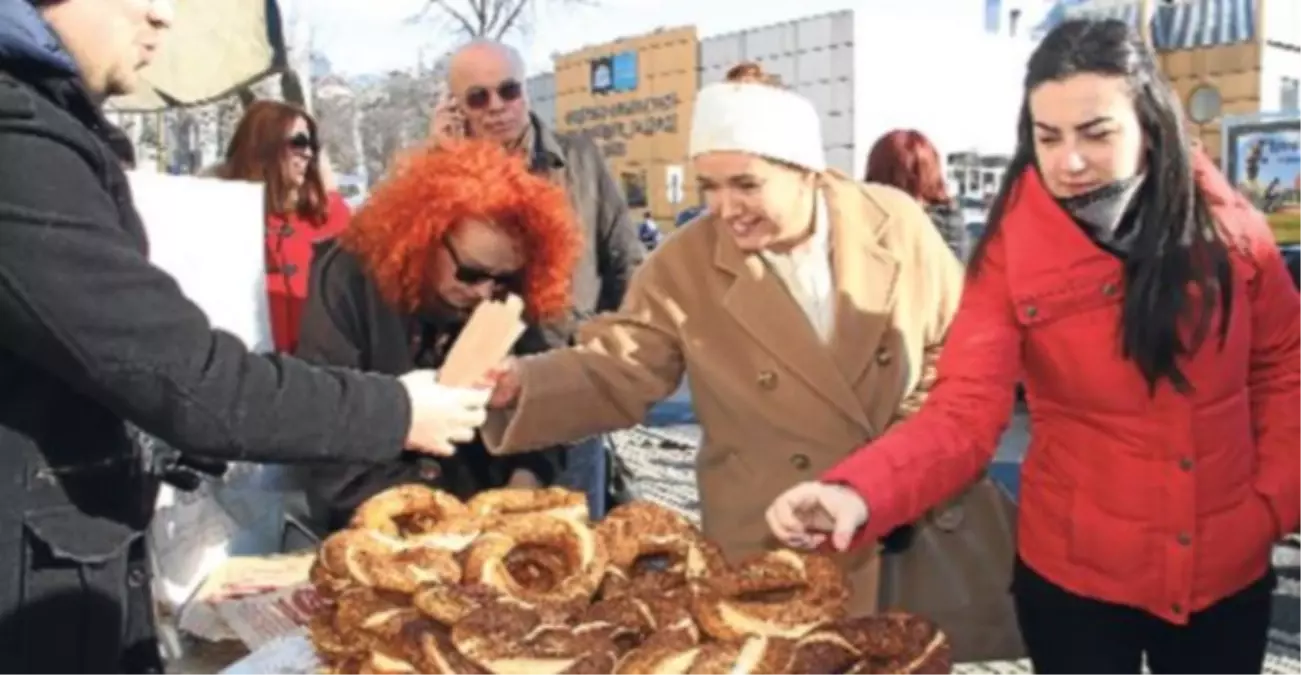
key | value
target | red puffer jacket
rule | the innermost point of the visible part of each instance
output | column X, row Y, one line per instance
column 289, row 260
column 1167, row 502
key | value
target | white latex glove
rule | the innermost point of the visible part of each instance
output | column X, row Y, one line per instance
column 805, row 515
column 442, row 416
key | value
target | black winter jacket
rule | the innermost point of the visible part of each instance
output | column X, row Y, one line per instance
column 93, row 335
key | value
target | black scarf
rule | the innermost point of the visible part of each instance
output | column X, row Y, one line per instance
column 1109, row 215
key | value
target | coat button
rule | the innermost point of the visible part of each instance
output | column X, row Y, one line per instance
column 1186, row 463
column 1184, row 539
column 135, row 578
column 1109, row 289
column 767, row 379
column 429, row 471
column 1177, row 608
column 883, row 356
column 800, row 462
column 1031, row 311
column 949, row 518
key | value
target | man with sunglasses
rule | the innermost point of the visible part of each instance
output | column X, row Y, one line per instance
column 92, row 336
column 485, row 98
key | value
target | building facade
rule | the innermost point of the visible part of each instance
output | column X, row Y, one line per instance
column 848, row 63
column 634, row 97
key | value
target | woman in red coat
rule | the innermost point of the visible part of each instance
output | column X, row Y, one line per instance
column 276, row 144
column 1143, row 303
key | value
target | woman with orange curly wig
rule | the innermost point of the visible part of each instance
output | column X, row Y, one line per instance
column 450, row 228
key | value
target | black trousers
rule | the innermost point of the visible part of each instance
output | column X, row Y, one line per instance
column 1067, row 633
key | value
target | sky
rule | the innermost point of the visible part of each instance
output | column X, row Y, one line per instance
column 975, row 78
column 378, row 39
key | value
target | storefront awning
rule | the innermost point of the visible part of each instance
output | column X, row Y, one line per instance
column 1175, row 24
column 214, row 47
column 1185, row 24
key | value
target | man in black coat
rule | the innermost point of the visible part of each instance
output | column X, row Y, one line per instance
column 92, row 335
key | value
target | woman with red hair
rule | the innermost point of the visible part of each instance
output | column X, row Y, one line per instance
column 276, row 144
column 906, row 159
column 451, row 227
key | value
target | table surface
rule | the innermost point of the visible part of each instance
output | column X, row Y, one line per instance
column 659, row 458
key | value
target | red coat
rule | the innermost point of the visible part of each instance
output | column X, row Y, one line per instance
column 1166, row 503
column 289, row 258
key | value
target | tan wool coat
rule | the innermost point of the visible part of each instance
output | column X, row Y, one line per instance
column 777, row 405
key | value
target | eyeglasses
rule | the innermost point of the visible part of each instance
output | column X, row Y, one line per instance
column 301, row 141
column 472, row 275
column 478, row 98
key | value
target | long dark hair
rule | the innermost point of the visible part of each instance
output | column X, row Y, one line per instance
column 255, row 153
column 1177, row 244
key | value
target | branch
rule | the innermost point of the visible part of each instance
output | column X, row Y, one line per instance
column 488, row 18
column 510, row 19
column 495, row 17
column 485, row 9
column 466, row 26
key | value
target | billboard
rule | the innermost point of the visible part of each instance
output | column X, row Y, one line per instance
column 617, row 73
column 1262, row 158
column 633, row 99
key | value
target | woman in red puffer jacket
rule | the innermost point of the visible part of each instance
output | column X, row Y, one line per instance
column 277, row 144
column 1156, row 327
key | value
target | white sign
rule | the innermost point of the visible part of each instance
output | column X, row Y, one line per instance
column 210, row 235
column 673, row 179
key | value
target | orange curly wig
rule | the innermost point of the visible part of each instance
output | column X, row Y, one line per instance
column 405, row 219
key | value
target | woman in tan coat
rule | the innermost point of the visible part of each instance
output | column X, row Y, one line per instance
column 806, row 308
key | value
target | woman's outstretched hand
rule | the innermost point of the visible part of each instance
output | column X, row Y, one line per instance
column 505, row 384
column 807, row 514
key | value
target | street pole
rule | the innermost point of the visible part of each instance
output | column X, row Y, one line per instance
column 162, row 141
column 1145, row 23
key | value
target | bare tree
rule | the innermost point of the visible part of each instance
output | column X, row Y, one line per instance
column 488, row 18
column 394, row 117
column 338, row 117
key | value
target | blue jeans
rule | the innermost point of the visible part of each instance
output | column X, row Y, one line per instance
column 586, row 471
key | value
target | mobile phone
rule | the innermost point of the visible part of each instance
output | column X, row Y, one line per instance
column 447, row 100
column 459, row 112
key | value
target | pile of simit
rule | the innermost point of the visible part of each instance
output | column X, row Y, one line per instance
column 519, row 581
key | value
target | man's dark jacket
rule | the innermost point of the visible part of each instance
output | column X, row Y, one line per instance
column 347, row 323
column 612, row 249
column 92, row 335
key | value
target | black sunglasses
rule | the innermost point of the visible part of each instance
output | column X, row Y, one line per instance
column 471, row 275
column 478, row 98
column 301, row 141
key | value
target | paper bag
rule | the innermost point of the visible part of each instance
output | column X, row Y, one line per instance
column 485, row 341
column 253, row 599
